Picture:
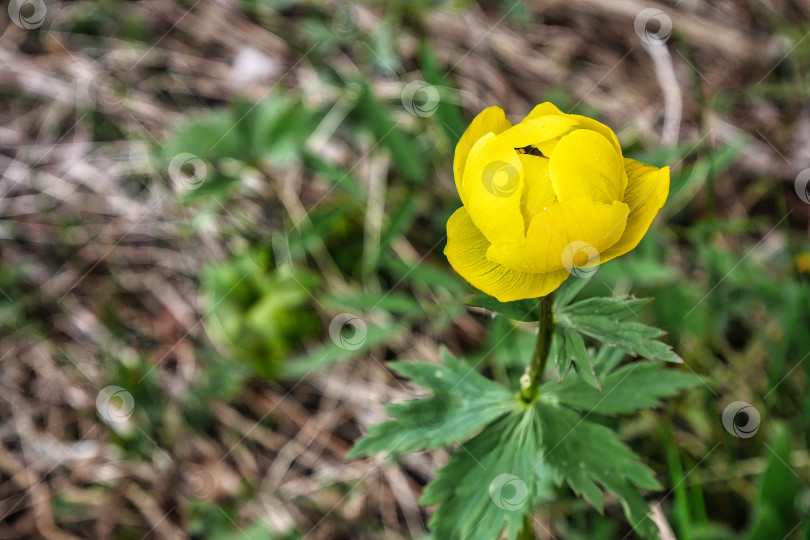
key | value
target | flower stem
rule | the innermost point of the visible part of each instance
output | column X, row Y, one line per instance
column 530, row 381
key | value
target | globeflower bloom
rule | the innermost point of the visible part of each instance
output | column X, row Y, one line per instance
column 545, row 199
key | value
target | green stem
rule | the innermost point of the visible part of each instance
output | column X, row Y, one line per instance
column 530, row 382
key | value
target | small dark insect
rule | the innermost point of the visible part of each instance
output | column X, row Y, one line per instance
column 531, row 150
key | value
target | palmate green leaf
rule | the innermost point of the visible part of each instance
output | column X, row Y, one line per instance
column 489, row 483
column 618, row 307
column 463, row 402
column 569, row 348
column 586, row 455
column 569, row 290
column 516, row 450
column 603, row 320
column 630, row 388
column 496, row 477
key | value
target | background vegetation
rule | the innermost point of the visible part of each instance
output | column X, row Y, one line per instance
column 193, row 193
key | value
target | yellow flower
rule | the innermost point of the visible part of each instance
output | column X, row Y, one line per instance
column 544, row 199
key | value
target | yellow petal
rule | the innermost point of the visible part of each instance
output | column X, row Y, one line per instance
column 490, row 120
column 549, row 109
column 538, row 194
column 547, row 147
column 586, row 123
column 599, row 127
column 492, row 184
column 537, row 130
column 492, row 187
column 578, row 224
column 544, row 109
column 647, row 191
column 466, row 250
column 585, row 164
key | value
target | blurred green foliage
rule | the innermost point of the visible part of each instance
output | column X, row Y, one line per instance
column 259, row 317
